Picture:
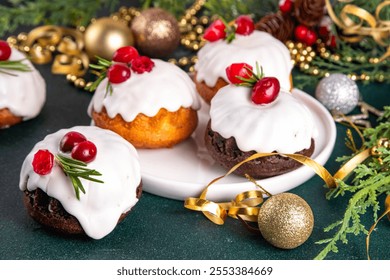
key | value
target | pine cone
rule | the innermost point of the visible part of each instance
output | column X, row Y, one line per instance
column 309, row 12
column 278, row 25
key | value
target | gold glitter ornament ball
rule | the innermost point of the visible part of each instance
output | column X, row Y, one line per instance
column 105, row 35
column 156, row 32
column 285, row 220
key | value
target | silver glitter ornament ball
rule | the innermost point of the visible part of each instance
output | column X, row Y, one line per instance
column 338, row 93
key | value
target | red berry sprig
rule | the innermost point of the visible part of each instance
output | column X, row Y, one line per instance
column 119, row 69
column 286, row 6
column 305, row 35
column 220, row 29
column 264, row 89
column 82, row 152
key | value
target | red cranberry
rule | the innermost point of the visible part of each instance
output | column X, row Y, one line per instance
column 286, row 6
column 5, row 50
column 125, row 54
column 118, row 73
column 311, row 37
column 84, row 151
column 265, row 90
column 245, row 25
column 300, row 32
column 70, row 140
column 43, row 162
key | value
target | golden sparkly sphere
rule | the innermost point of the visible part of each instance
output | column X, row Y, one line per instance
column 105, row 35
column 156, row 32
column 285, row 220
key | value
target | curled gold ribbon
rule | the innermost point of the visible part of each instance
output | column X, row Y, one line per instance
column 246, row 204
column 71, row 59
column 367, row 25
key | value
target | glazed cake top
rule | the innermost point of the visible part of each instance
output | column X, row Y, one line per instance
column 260, row 47
column 99, row 209
column 23, row 93
column 166, row 86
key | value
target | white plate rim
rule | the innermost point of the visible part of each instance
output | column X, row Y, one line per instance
column 180, row 190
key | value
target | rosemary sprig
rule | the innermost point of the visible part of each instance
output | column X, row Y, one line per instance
column 14, row 65
column 75, row 170
column 101, row 71
column 255, row 76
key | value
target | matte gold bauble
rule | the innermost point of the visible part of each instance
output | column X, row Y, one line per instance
column 285, row 220
column 105, row 35
column 156, row 32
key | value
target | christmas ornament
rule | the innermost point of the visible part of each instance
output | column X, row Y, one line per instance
column 105, row 35
column 285, row 220
column 156, row 32
column 338, row 93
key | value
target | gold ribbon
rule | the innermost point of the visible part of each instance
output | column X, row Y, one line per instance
column 43, row 41
column 245, row 206
column 366, row 25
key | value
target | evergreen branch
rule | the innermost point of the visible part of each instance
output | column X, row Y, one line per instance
column 55, row 12
column 370, row 180
column 75, row 170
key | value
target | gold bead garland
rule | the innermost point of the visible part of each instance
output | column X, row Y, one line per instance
column 303, row 55
column 42, row 51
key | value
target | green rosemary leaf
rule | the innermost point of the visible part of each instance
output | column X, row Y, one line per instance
column 75, row 170
column 14, row 65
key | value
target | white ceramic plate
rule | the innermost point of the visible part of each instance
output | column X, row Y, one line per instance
column 184, row 170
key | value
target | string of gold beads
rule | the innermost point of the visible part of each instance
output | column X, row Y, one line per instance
column 191, row 29
column 303, row 55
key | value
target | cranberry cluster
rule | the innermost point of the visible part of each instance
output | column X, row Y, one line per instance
column 264, row 89
column 73, row 142
column 243, row 25
column 5, row 50
column 127, row 58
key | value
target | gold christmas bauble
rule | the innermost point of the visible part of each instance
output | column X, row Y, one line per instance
column 156, row 32
column 285, row 220
column 105, row 35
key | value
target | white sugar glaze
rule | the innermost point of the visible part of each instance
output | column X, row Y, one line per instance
column 25, row 93
column 99, row 209
column 284, row 126
column 258, row 47
column 166, row 86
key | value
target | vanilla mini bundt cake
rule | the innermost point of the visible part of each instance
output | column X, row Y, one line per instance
column 239, row 43
column 81, row 180
column 149, row 102
column 22, row 88
column 259, row 117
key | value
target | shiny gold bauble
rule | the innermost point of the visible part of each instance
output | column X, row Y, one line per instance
column 105, row 35
column 156, row 32
column 285, row 220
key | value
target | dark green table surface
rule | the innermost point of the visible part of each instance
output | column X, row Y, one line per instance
column 160, row 228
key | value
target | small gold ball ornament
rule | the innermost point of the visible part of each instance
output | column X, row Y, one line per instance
column 285, row 220
column 105, row 35
column 156, row 32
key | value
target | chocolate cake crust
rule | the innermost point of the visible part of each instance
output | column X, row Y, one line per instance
column 227, row 154
column 51, row 214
